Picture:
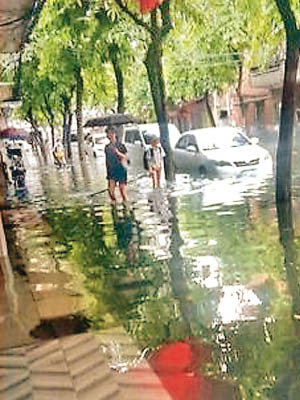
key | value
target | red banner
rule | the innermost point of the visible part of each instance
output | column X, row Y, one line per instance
column 148, row 5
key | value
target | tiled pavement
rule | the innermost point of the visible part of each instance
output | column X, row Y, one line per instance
column 73, row 368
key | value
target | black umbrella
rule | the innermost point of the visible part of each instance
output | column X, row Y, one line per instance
column 111, row 119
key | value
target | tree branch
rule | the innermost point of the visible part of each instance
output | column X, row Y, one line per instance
column 48, row 108
column 166, row 19
column 133, row 16
column 46, row 114
column 289, row 19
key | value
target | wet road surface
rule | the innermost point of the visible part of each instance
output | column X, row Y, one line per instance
column 196, row 274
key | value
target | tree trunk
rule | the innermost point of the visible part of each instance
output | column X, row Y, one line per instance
column 79, row 96
column 67, row 123
column 50, row 118
column 36, row 135
column 68, row 135
column 285, row 141
column 154, row 68
column 209, row 111
column 52, row 134
column 120, row 84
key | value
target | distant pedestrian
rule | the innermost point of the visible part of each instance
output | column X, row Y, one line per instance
column 116, row 165
column 155, row 155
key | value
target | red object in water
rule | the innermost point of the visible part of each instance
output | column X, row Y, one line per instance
column 148, row 5
column 178, row 364
column 13, row 133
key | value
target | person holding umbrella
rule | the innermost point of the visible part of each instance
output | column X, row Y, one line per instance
column 116, row 160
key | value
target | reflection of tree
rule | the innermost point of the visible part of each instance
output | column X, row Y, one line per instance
column 289, row 385
column 178, row 279
column 152, row 298
column 244, row 248
column 286, row 229
column 124, row 281
column 74, row 178
column 148, row 296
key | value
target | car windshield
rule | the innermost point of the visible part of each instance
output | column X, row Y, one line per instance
column 100, row 140
column 221, row 140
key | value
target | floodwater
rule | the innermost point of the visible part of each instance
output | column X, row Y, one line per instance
column 196, row 274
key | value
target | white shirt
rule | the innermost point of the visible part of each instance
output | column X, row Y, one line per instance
column 155, row 156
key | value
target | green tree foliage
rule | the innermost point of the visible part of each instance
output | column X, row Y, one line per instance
column 64, row 53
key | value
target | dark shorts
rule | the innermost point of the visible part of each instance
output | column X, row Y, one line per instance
column 118, row 174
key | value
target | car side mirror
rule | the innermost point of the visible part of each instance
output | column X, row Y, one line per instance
column 191, row 148
column 254, row 140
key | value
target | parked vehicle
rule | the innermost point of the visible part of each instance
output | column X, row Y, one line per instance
column 137, row 139
column 95, row 144
column 150, row 130
column 136, row 146
column 219, row 151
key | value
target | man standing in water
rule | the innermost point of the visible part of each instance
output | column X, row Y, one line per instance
column 116, row 160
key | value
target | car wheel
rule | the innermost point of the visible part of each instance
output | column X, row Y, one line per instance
column 202, row 172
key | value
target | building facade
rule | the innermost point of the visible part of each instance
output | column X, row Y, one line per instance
column 256, row 107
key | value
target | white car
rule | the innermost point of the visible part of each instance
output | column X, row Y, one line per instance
column 137, row 139
column 150, row 130
column 220, row 151
column 95, row 144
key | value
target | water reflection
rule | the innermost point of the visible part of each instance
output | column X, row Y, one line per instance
column 201, row 265
column 288, row 384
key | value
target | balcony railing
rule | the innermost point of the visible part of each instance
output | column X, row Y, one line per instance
column 273, row 78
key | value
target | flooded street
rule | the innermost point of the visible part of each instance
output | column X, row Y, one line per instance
column 196, row 274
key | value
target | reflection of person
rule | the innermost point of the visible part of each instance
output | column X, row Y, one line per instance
column 116, row 160
column 3, row 167
column 155, row 160
column 18, row 171
column 59, row 154
column 124, row 226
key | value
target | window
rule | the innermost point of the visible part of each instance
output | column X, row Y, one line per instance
column 148, row 137
column 192, row 141
column 183, row 142
column 132, row 136
column 186, row 141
